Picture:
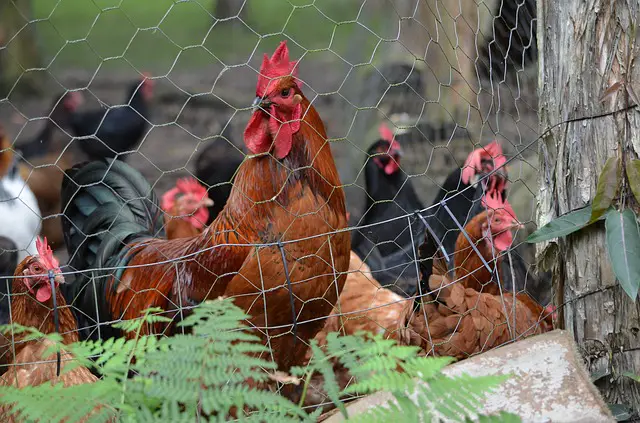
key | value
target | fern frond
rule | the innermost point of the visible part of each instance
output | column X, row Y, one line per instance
column 43, row 403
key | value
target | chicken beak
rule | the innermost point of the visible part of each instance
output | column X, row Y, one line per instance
column 260, row 103
column 207, row 202
column 515, row 225
column 59, row 278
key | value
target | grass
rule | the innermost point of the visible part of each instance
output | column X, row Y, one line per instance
column 163, row 35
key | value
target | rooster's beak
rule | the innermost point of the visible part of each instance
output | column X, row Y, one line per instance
column 260, row 103
column 207, row 202
column 59, row 278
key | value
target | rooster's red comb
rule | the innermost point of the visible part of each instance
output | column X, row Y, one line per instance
column 46, row 255
column 275, row 67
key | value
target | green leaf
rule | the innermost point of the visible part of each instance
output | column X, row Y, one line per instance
column 632, row 376
column 608, row 185
column 633, row 173
column 623, row 245
column 620, row 412
column 563, row 225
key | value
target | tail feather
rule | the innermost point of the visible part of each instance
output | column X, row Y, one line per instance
column 107, row 205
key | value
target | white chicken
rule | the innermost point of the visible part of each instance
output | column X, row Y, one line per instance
column 19, row 212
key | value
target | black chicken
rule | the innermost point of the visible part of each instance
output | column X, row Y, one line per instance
column 47, row 140
column 117, row 130
column 386, row 247
column 215, row 167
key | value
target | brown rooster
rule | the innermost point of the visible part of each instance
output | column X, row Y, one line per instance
column 32, row 306
column 288, row 195
column 186, row 209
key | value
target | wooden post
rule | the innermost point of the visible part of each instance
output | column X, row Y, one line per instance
column 585, row 48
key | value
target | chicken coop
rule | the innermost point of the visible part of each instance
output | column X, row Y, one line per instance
column 217, row 207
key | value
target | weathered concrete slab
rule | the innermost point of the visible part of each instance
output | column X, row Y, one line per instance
column 549, row 382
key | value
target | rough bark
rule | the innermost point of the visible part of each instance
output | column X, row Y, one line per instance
column 584, row 48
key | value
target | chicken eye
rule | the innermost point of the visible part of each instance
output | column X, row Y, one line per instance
column 285, row 92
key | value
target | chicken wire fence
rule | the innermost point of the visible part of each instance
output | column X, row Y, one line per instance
column 407, row 91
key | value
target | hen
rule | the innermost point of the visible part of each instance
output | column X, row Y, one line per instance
column 216, row 167
column 462, row 321
column 387, row 247
column 364, row 306
column 492, row 233
column 52, row 139
column 289, row 190
column 32, row 306
column 19, row 211
column 185, row 207
column 120, row 129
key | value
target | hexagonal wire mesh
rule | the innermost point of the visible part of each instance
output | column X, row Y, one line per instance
column 410, row 92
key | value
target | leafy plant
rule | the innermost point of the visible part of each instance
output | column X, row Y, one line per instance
column 621, row 221
column 204, row 375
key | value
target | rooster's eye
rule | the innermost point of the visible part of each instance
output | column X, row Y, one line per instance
column 285, row 92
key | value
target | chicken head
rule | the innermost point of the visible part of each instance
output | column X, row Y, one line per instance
column 277, row 109
column 388, row 151
column 499, row 226
column 485, row 160
column 35, row 272
column 188, row 199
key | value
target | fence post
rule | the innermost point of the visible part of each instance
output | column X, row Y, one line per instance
column 585, row 48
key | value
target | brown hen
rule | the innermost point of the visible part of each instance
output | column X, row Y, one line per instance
column 32, row 306
column 458, row 321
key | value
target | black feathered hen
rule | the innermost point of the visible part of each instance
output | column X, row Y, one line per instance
column 116, row 130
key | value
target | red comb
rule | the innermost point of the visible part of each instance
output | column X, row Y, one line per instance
column 275, row 67
column 191, row 185
column 494, row 201
column 385, row 133
column 183, row 186
column 472, row 164
column 46, row 255
column 494, row 150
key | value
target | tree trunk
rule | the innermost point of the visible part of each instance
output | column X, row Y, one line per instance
column 18, row 48
column 584, row 49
